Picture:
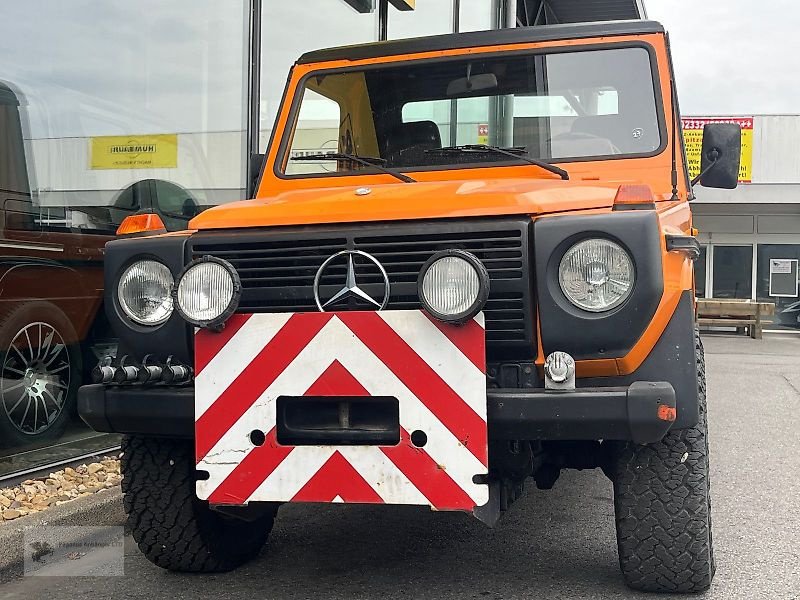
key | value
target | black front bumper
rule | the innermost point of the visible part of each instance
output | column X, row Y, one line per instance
column 642, row 412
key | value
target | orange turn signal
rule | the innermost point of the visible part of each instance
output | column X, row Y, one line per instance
column 139, row 223
column 633, row 197
column 667, row 413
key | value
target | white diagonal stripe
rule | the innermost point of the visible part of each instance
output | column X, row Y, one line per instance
column 293, row 473
column 383, row 476
column 437, row 351
column 234, row 358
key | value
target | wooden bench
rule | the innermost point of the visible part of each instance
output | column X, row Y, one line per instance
column 745, row 315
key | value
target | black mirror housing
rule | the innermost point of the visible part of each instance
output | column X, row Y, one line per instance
column 721, row 155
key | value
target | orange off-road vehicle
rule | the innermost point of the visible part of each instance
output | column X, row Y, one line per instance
column 480, row 272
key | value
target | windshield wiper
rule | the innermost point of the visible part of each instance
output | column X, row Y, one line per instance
column 519, row 153
column 370, row 161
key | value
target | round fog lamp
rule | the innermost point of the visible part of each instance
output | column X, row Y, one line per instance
column 144, row 292
column 453, row 286
column 596, row 275
column 207, row 292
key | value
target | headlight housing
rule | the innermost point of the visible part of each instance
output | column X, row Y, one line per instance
column 207, row 292
column 453, row 286
column 596, row 274
column 145, row 292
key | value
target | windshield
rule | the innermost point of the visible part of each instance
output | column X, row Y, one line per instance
column 565, row 106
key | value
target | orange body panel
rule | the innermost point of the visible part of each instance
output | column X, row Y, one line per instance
column 482, row 191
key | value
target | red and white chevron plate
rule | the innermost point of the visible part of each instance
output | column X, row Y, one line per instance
column 436, row 372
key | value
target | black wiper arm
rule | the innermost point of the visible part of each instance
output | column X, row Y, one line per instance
column 519, row 153
column 370, row 161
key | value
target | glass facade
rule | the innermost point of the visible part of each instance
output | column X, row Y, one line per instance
column 106, row 109
column 771, row 259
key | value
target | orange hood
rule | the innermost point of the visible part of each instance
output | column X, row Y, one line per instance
column 401, row 201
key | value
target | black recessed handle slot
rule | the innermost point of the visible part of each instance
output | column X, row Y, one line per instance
column 338, row 420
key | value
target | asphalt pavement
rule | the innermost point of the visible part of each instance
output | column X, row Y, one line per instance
column 552, row 544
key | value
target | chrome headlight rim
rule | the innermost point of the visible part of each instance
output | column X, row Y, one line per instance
column 619, row 303
column 133, row 318
column 219, row 321
column 483, row 286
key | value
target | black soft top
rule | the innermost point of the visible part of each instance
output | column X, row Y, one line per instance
column 515, row 35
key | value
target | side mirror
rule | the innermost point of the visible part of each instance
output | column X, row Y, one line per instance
column 720, row 156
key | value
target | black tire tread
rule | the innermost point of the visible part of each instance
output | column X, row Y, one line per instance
column 663, row 508
column 172, row 528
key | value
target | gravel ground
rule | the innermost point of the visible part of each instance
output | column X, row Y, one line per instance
column 556, row 544
column 36, row 495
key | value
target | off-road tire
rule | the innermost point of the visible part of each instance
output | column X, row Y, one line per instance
column 174, row 529
column 663, row 507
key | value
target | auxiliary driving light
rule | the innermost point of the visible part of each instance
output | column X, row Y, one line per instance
column 207, row 292
column 596, row 275
column 453, row 286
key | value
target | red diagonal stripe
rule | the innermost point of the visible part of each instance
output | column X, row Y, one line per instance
column 240, row 484
column 273, row 359
column 427, row 476
column 337, row 477
column 469, row 338
column 207, row 344
column 336, row 380
column 455, row 414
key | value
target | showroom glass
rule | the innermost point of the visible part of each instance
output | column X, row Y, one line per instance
column 787, row 307
column 74, row 73
column 733, row 272
column 580, row 105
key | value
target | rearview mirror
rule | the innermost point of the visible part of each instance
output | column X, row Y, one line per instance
column 465, row 85
column 720, row 155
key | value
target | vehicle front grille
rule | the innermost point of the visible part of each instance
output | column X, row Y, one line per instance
column 277, row 267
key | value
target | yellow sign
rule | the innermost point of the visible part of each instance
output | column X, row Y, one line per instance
column 693, row 140
column 135, row 152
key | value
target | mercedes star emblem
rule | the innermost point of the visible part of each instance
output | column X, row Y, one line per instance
column 350, row 287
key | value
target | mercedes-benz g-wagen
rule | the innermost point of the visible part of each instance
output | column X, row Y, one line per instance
column 469, row 262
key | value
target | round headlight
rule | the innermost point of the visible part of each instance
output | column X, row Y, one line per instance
column 453, row 286
column 596, row 275
column 208, row 292
column 145, row 292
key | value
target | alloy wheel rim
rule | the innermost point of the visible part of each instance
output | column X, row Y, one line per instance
column 35, row 378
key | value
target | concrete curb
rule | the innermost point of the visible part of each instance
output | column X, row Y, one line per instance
column 101, row 508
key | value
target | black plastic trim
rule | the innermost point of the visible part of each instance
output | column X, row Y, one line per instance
column 672, row 360
column 174, row 336
column 683, row 243
column 157, row 411
column 511, row 284
column 589, row 335
column 614, row 413
column 495, row 37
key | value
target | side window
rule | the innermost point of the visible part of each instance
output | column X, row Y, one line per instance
column 15, row 196
column 317, row 132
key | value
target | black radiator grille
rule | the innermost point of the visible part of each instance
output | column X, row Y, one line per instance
column 277, row 267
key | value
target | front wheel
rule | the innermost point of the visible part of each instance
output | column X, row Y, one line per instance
column 174, row 529
column 663, row 507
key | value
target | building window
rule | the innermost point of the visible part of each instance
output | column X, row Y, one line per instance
column 733, row 272
column 700, row 273
column 787, row 308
